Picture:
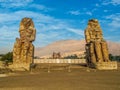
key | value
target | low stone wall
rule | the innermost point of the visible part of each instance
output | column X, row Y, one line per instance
column 76, row 61
column 106, row 65
column 56, row 64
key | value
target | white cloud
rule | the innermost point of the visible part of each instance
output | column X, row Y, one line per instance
column 114, row 21
column 8, row 32
column 74, row 12
column 22, row 4
column 40, row 7
column 114, row 16
column 16, row 16
column 89, row 13
column 97, row 5
column 14, row 3
column 77, row 12
column 105, row 10
column 113, row 2
column 115, row 24
column 77, row 31
column 5, row 1
column 43, row 39
column 7, row 37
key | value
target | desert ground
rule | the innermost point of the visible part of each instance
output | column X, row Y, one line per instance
column 80, row 78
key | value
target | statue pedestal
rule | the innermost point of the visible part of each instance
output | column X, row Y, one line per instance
column 106, row 65
column 20, row 67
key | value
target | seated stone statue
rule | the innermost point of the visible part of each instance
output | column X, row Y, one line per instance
column 96, row 46
column 23, row 47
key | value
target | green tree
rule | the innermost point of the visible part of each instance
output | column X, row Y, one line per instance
column 114, row 58
column 8, row 56
column 118, row 58
column 111, row 57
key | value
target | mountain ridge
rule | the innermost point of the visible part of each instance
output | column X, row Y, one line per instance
column 69, row 46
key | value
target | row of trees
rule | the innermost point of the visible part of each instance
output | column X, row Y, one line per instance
column 111, row 57
column 73, row 57
column 114, row 58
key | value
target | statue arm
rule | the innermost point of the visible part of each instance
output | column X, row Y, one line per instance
column 32, row 38
column 87, row 36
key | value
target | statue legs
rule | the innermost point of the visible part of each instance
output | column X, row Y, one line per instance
column 92, row 53
column 17, row 51
column 105, row 51
column 98, row 51
column 30, row 53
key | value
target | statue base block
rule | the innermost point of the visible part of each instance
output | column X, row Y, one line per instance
column 20, row 67
column 106, row 65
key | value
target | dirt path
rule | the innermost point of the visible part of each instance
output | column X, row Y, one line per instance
column 61, row 80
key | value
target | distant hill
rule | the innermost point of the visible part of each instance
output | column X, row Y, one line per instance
column 71, row 47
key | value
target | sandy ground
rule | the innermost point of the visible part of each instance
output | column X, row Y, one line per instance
column 77, row 79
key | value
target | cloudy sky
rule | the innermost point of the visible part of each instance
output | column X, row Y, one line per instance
column 57, row 19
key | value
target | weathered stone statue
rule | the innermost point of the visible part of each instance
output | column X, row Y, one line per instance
column 96, row 46
column 23, row 51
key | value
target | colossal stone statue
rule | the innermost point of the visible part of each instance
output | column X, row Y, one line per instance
column 23, row 51
column 96, row 46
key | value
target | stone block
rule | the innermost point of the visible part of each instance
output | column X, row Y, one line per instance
column 106, row 65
